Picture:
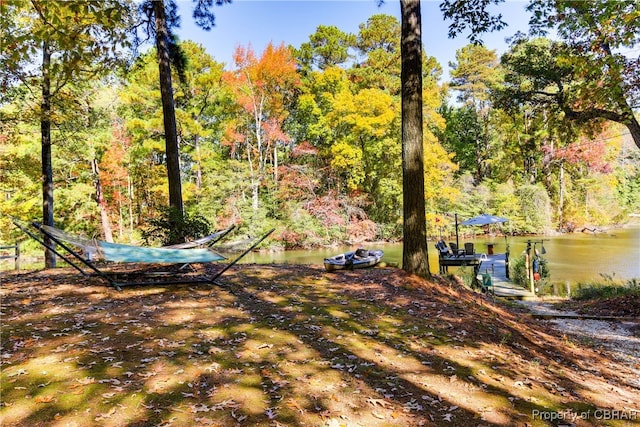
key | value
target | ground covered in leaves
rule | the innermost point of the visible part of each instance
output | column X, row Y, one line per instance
column 293, row 346
column 619, row 306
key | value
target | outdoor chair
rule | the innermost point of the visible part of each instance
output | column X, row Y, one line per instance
column 469, row 249
column 443, row 250
column 455, row 250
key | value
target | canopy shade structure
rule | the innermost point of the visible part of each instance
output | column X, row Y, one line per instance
column 484, row 219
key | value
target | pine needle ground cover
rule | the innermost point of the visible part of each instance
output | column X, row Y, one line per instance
column 294, row 346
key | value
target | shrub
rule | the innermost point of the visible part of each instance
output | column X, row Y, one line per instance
column 467, row 274
column 518, row 271
column 168, row 228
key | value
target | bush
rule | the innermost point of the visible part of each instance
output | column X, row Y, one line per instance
column 467, row 274
column 169, row 228
column 518, row 272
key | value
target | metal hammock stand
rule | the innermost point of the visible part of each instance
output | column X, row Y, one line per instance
column 95, row 250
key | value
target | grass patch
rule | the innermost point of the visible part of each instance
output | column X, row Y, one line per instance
column 608, row 288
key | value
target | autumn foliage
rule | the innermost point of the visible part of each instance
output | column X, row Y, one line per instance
column 308, row 141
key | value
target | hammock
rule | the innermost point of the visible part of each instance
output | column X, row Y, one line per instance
column 93, row 248
column 206, row 240
column 88, row 246
column 117, row 252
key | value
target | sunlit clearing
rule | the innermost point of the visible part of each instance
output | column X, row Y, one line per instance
column 44, row 368
column 123, row 413
column 338, row 313
column 17, row 411
column 247, row 394
column 163, row 378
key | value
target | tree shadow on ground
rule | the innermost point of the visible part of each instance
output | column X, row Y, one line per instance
column 287, row 344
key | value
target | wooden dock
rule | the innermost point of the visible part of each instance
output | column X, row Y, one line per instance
column 459, row 261
column 496, row 266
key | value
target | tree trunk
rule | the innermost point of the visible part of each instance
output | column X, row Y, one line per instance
column 120, row 220
column 561, row 198
column 102, row 204
column 275, row 165
column 168, row 110
column 255, row 181
column 198, row 165
column 130, row 204
column 634, row 129
column 47, row 167
column 415, row 259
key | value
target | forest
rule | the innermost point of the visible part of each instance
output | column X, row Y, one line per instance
column 307, row 139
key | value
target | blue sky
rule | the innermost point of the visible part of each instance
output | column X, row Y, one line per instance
column 258, row 22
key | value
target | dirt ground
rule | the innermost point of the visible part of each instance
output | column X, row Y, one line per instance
column 291, row 345
column 621, row 306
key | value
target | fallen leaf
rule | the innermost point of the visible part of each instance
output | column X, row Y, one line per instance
column 293, row 404
column 377, row 415
column 377, row 402
column 45, row 399
column 270, row 413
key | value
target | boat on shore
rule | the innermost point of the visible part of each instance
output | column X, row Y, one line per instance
column 360, row 258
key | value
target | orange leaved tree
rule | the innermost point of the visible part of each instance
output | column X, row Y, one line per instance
column 263, row 87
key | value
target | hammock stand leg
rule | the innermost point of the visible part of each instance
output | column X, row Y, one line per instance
column 52, row 249
column 235, row 261
column 220, row 237
column 77, row 256
column 210, row 244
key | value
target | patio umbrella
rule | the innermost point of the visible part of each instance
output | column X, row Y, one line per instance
column 484, row 219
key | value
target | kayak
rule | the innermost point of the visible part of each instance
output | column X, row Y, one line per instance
column 360, row 258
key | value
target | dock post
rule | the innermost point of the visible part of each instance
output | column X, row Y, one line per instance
column 506, row 262
column 529, row 269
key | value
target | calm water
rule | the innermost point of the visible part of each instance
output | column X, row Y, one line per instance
column 574, row 258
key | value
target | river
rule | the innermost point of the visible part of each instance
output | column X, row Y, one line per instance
column 573, row 258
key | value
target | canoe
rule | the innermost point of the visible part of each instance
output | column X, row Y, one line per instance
column 360, row 258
